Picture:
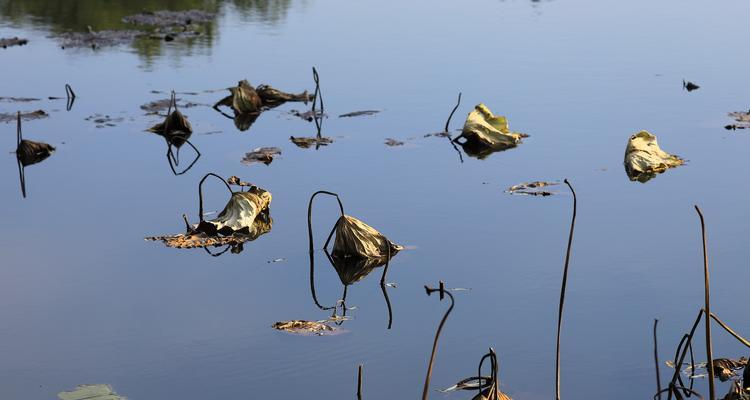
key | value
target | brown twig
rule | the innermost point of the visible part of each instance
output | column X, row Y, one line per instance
column 443, row 292
column 562, row 291
column 709, row 349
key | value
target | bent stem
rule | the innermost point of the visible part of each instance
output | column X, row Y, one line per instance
column 562, row 292
column 453, row 111
column 309, row 217
column 687, row 342
column 493, row 385
column 442, row 292
column 383, row 288
column 709, row 349
column 731, row 332
column 200, row 192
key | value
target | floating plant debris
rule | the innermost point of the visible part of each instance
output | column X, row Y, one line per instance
column 359, row 113
column 644, row 159
column 157, row 106
column 14, row 41
column 742, row 119
column 307, row 142
column 97, row 39
column 391, row 142
column 244, row 218
column 18, row 99
column 302, row 327
column 689, row 86
column 485, row 133
column 103, row 121
column 27, row 116
column 263, row 155
column 170, row 18
column 244, row 98
column 532, row 188
column 308, row 115
column 91, row 392
column 174, row 124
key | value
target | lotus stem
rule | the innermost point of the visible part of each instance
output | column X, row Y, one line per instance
column 443, row 292
column 451, row 114
column 359, row 382
column 731, row 332
column 656, row 360
column 687, row 339
column 309, row 217
column 200, row 192
column 19, row 134
column 709, row 349
column 562, row 291
column 383, row 288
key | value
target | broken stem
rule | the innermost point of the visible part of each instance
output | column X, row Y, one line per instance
column 709, row 350
column 443, row 292
column 200, row 192
column 451, row 114
column 562, row 292
column 318, row 94
column 359, row 382
column 656, row 361
column 69, row 92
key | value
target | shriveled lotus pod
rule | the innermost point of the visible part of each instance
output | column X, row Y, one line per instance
column 644, row 158
column 355, row 238
column 482, row 128
column 174, row 124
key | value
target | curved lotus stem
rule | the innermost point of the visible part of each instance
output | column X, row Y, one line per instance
column 731, row 332
column 200, row 192
column 453, row 111
column 309, row 217
column 443, row 292
column 176, row 161
column 493, row 374
column 687, row 340
column 673, row 388
column 318, row 94
column 562, row 291
column 71, row 97
column 383, row 288
column 707, row 292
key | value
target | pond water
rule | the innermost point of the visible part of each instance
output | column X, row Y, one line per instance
column 84, row 299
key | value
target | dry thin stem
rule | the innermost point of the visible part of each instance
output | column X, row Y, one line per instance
column 731, row 332
column 562, row 291
column 359, row 382
column 709, row 349
column 443, row 292
column 656, row 361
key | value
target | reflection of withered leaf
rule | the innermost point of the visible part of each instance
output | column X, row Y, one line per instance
column 30, row 152
column 531, row 188
column 355, row 238
column 307, row 142
column 736, row 392
column 353, row 269
column 263, row 155
column 38, row 114
column 91, row 392
column 304, row 327
column 359, row 113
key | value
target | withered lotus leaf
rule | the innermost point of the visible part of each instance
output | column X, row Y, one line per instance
column 304, row 327
column 174, row 124
column 484, row 128
column 355, row 238
column 31, row 152
column 644, row 158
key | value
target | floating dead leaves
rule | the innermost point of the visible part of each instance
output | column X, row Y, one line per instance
column 28, row 152
column 301, row 327
column 14, row 41
column 391, row 142
column 263, row 155
column 742, row 119
column 247, row 102
column 724, row 368
column 170, row 18
column 97, row 39
column 689, row 86
column 245, row 218
column 157, row 106
column 307, row 142
column 18, row 99
column 27, row 116
column 644, row 159
column 532, row 188
column 485, row 133
column 91, row 392
column 104, row 120
column 359, row 113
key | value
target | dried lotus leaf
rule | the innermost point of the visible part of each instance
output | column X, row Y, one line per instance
column 482, row 128
column 91, row 392
column 304, row 327
column 644, row 158
column 30, row 152
column 355, row 238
